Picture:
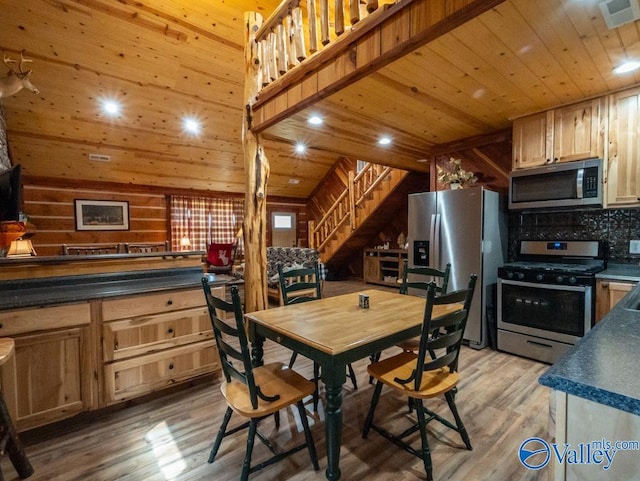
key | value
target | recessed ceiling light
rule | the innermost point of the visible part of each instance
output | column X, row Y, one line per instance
column 301, row 148
column 191, row 125
column 111, row 107
column 315, row 120
column 294, row 181
column 625, row 67
column 384, row 140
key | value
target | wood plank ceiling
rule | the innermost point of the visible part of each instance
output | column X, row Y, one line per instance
column 168, row 59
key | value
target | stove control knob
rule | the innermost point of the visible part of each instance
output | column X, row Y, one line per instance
column 539, row 277
column 520, row 275
column 572, row 280
column 509, row 275
column 559, row 279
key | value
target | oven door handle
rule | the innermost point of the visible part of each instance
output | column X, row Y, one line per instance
column 542, row 285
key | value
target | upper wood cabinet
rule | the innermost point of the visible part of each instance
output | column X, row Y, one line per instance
column 572, row 132
column 623, row 164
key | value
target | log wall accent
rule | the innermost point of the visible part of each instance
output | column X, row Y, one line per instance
column 52, row 211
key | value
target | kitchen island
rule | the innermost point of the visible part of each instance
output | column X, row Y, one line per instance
column 95, row 331
column 597, row 399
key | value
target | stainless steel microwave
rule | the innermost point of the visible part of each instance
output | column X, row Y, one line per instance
column 566, row 184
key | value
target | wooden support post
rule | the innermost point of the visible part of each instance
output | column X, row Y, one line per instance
column 256, row 168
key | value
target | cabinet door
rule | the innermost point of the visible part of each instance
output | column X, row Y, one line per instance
column 608, row 294
column 371, row 267
column 53, row 377
column 623, row 167
column 532, row 140
column 578, row 131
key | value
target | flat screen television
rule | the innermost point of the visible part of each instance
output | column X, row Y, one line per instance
column 11, row 193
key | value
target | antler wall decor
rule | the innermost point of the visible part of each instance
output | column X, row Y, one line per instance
column 16, row 81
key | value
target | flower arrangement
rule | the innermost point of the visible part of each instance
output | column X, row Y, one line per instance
column 455, row 174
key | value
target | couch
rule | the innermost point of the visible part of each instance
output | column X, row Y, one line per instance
column 289, row 257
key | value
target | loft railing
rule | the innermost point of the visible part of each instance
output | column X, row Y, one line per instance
column 285, row 39
column 343, row 210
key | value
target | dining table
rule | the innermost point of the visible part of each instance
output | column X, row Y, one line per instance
column 334, row 332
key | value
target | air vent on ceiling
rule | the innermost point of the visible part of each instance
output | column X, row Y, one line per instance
column 100, row 157
column 619, row 12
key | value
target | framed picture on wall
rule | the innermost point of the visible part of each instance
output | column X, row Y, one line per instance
column 102, row 215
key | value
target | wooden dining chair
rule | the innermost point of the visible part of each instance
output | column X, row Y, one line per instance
column 90, row 250
column 302, row 284
column 428, row 373
column 421, row 277
column 145, row 247
column 253, row 392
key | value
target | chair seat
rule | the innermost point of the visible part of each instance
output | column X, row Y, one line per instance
column 434, row 383
column 273, row 378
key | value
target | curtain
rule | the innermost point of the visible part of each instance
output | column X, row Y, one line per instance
column 196, row 222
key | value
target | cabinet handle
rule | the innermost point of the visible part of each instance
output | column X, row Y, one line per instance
column 171, row 366
column 170, row 330
column 605, row 284
column 169, row 302
column 1, row 326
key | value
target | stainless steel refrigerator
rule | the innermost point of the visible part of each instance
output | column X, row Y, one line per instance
column 467, row 228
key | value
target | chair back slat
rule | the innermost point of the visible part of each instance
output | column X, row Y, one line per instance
column 441, row 337
column 228, row 337
column 427, row 275
column 305, row 279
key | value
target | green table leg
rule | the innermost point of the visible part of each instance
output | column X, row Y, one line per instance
column 334, row 377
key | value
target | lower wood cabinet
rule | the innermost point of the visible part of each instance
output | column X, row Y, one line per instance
column 153, row 341
column 55, row 363
column 79, row 357
column 608, row 294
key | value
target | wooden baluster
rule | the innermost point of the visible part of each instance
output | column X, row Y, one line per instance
column 313, row 27
column 352, row 200
column 281, row 49
column 292, row 56
column 339, row 20
column 324, row 22
column 298, row 34
column 354, row 11
column 312, row 235
column 273, row 52
column 264, row 65
column 372, row 5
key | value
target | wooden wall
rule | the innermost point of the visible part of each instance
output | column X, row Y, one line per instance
column 49, row 204
column 50, row 208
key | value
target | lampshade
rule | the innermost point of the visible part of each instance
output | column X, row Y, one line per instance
column 21, row 248
column 185, row 243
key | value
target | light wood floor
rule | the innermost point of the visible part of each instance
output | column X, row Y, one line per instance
column 169, row 438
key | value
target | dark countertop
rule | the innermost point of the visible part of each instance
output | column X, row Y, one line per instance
column 620, row 272
column 49, row 291
column 604, row 365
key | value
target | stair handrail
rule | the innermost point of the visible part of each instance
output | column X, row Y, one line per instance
column 284, row 40
column 344, row 207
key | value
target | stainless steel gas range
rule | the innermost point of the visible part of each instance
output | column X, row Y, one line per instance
column 546, row 299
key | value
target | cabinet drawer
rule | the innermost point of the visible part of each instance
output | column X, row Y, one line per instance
column 144, row 374
column 43, row 318
column 141, row 335
column 142, row 305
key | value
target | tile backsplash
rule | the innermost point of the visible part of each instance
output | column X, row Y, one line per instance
column 616, row 227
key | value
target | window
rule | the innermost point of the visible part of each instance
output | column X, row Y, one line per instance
column 202, row 220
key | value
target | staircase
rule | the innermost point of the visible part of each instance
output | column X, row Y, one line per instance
column 370, row 201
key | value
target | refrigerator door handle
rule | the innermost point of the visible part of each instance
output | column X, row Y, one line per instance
column 435, row 240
